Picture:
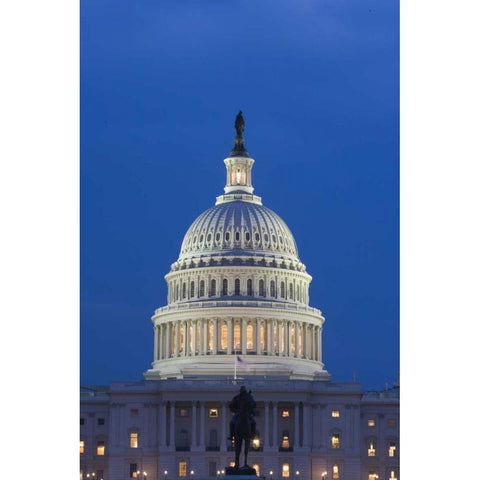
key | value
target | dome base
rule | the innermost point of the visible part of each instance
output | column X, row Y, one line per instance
column 249, row 365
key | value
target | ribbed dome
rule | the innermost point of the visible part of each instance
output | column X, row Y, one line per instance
column 238, row 228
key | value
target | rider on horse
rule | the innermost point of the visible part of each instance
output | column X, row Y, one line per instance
column 243, row 400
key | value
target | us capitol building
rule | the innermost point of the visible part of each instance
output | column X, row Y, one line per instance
column 238, row 313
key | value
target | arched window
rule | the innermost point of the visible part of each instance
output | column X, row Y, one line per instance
column 133, row 439
column 237, row 286
column 290, row 290
column 227, row 236
column 192, row 289
column 237, row 236
column 184, row 290
column 202, row 288
column 213, row 288
column 272, row 288
column 236, row 337
column 249, row 287
column 335, row 441
column 261, row 288
column 225, row 287
column 335, row 472
column 247, row 236
column 282, row 290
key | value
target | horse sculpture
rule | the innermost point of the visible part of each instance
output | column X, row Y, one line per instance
column 243, row 427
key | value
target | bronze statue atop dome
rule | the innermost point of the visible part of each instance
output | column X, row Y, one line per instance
column 239, row 124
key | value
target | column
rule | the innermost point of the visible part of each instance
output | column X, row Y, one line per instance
column 215, row 336
column 307, row 421
column 194, row 338
column 155, row 343
column 259, row 331
column 296, row 438
column 223, row 438
column 230, row 335
column 172, row 425
column 275, row 426
column 243, row 338
column 202, row 426
column 320, row 330
column 297, row 340
column 160, row 341
column 266, row 440
column 168, row 340
column 177, row 339
column 194, row 425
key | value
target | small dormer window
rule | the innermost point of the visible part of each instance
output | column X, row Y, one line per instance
column 227, row 236
column 209, row 237
column 217, row 237
column 201, row 238
column 237, row 236
column 247, row 236
column 257, row 237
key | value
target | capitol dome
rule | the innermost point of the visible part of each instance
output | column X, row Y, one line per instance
column 238, row 292
column 238, row 228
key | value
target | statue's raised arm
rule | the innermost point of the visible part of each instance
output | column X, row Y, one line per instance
column 239, row 124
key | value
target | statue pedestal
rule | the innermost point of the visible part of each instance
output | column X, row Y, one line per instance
column 242, row 473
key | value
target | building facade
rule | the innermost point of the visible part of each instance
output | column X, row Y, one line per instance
column 238, row 313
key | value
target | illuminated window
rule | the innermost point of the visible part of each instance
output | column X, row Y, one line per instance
column 256, row 466
column 371, row 422
column 182, row 469
column 392, row 475
column 392, row 422
column 100, row 447
column 232, row 464
column 223, row 337
column 256, row 444
column 249, row 337
column 134, row 412
column 285, row 440
column 285, row 469
column 335, row 474
column 372, row 476
column 213, row 413
column 210, row 337
column 335, row 440
column 236, row 337
column 134, row 440
column 183, row 412
column 371, row 450
column 285, row 413
column 335, row 413
column 133, row 470
column 293, row 336
column 392, row 448
column 82, row 447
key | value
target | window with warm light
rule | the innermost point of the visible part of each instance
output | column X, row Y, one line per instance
column 100, row 447
column 223, row 337
column 133, row 440
column 82, row 447
column 372, row 476
column 285, row 441
column 256, row 443
column 285, row 413
column 371, row 450
column 392, row 448
column 392, row 422
column 183, row 412
column 236, row 337
column 371, row 422
column 335, row 472
column 335, row 413
column 392, row 475
column 336, row 441
column 256, row 466
column 213, row 413
column 133, row 470
column 182, row 469
column 285, row 470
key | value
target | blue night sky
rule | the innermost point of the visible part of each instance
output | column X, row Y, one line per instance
column 161, row 83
